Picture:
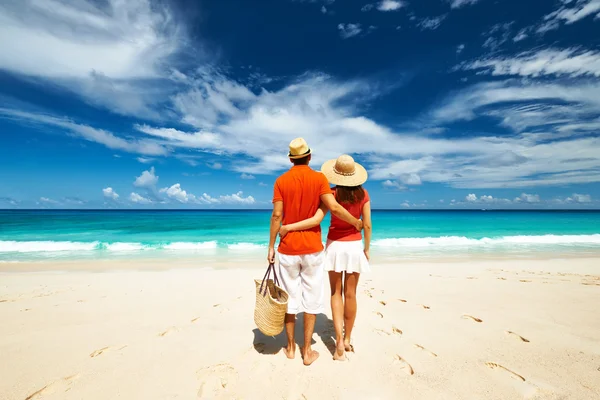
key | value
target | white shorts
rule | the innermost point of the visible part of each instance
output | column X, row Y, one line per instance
column 346, row 256
column 302, row 278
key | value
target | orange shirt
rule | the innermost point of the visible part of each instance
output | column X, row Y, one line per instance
column 342, row 231
column 300, row 189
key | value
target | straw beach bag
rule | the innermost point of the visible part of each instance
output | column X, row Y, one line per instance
column 271, row 304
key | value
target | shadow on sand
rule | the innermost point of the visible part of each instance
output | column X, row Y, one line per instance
column 272, row 345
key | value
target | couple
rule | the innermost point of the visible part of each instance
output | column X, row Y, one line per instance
column 301, row 198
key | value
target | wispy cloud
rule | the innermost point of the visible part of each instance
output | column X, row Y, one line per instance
column 497, row 35
column 139, row 199
column 108, row 139
column 460, row 48
column 569, row 13
column 569, row 62
column 349, row 30
column 461, row 3
column 431, row 23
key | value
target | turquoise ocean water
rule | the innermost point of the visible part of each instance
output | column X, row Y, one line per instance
column 50, row 235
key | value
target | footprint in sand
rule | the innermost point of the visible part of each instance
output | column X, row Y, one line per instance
column 168, row 331
column 431, row 353
column 524, row 280
column 501, row 279
column 379, row 314
column 216, row 381
column 512, row 374
column 383, row 303
column 517, row 336
column 63, row 384
column 471, row 277
column 402, row 300
column 381, row 332
column 368, row 293
column 466, row 316
column 103, row 350
column 425, row 307
column 195, row 319
column 404, row 365
column 396, row 330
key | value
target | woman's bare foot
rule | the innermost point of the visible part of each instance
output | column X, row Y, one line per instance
column 290, row 352
column 348, row 346
column 310, row 357
column 340, row 354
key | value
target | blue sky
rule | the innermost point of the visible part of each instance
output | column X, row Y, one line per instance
column 191, row 104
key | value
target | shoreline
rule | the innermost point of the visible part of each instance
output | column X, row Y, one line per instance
column 253, row 261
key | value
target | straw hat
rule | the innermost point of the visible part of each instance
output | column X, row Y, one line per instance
column 298, row 149
column 344, row 171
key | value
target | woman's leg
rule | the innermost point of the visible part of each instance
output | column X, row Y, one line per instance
column 337, row 309
column 350, row 284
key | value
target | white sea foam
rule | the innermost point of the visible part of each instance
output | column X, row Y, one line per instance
column 121, row 246
column 11, row 246
column 458, row 241
column 245, row 246
column 191, row 245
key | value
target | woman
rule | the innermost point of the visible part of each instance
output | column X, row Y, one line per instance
column 346, row 257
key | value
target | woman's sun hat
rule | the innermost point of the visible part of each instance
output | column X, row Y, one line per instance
column 298, row 149
column 343, row 171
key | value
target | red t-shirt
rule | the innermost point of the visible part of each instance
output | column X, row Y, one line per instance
column 300, row 190
column 342, row 231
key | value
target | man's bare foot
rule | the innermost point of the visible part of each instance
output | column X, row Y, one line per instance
column 339, row 354
column 290, row 352
column 310, row 357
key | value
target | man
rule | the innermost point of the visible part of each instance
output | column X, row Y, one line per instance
column 296, row 196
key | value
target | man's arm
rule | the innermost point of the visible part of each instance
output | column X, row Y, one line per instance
column 336, row 209
column 276, row 218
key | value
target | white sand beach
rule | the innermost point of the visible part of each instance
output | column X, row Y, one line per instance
column 488, row 329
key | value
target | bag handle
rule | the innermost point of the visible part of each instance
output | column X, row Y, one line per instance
column 270, row 268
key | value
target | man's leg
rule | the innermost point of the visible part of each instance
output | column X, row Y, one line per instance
column 289, row 274
column 311, row 274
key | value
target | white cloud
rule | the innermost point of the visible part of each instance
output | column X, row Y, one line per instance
column 393, row 185
column 216, row 165
column 175, row 192
column 9, row 200
column 570, row 13
column 431, row 23
column 136, row 198
column 460, row 48
column 262, row 184
column 406, row 204
column 324, row 10
column 580, row 198
column 116, row 50
column 145, row 160
column 147, row 179
column 569, row 62
column 236, row 198
column 247, row 176
column 48, row 201
column 367, row 7
column 497, row 35
column 471, row 198
column 349, row 30
column 461, row 3
column 528, row 198
column 108, row 139
column 110, row 194
column 390, row 5
column 522, row 35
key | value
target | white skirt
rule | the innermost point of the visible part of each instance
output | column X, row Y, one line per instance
column 347, row 257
